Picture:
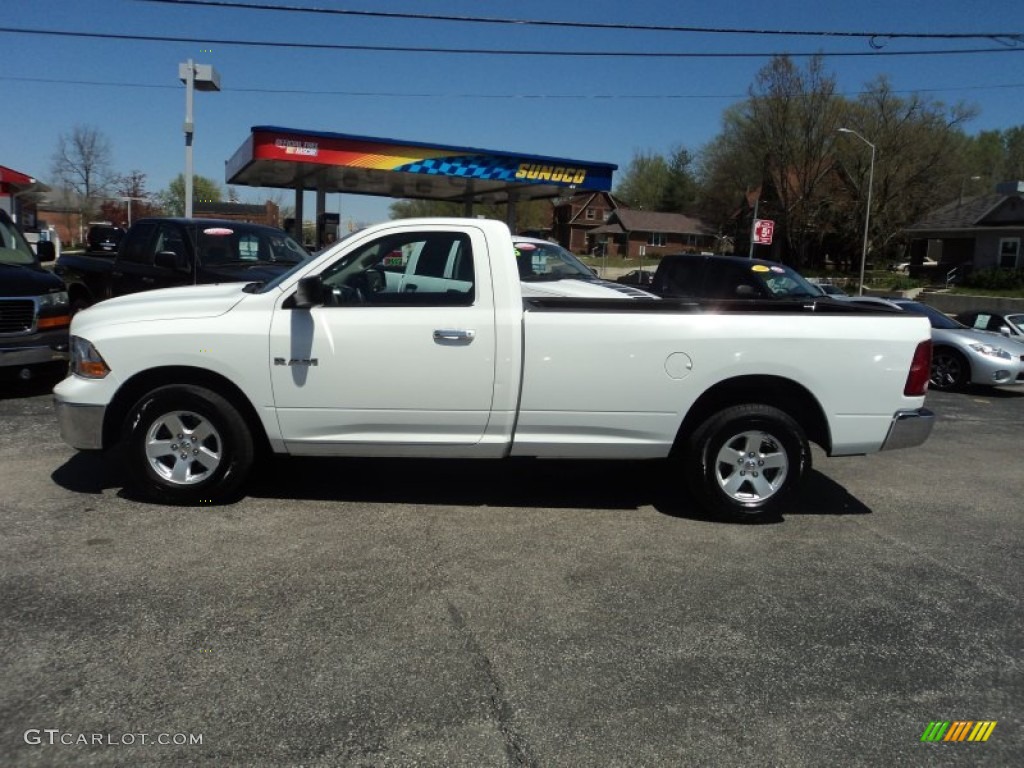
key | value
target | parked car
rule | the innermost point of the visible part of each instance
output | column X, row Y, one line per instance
column 904, row 267
column 34, row 315
column 704, row 276
column 641, row 277
column 103, row 238
column 1007, row 324
column 548, row 269
column 961, row 355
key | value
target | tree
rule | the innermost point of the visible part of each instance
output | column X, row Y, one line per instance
column 129, row 195
column 919, row 159
column 172, row 199
column 680, row 192
column 644, row 183
column 82, row 164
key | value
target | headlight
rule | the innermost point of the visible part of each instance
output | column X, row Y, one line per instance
column 86, row 361
column 991, row 351
column 57, row 300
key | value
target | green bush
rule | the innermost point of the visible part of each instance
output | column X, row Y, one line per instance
column 995, row 279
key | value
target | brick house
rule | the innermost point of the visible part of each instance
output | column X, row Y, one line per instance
column 574, row 218
column 630, row 233
column 268, row 213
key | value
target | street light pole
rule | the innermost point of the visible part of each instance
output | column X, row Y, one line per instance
column 963, row 183
column 129, row 201
column 867, row 212
column 205, row 78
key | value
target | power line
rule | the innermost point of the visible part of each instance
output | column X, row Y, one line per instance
column 435, row 95
column 496, row 52
column 1012, row 38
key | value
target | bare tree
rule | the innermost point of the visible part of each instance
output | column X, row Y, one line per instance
column 82, row 163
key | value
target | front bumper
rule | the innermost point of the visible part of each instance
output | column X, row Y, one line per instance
column 909, row 429
column 50, row 346
column 81, row 426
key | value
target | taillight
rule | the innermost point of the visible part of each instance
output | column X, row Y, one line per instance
column 920, row 370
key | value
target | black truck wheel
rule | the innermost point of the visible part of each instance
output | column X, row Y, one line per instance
column 187, row 445
column 745, row 461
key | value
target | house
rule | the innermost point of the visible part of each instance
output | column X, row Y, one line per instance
column 267, row 213
column 630, row 233
column 575, row 217
column 977, row 233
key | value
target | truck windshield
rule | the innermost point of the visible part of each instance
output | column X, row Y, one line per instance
column 540, row 260
column 14, row 249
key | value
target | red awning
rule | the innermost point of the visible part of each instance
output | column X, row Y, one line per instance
column 11, row 176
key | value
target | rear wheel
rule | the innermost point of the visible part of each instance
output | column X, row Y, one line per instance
column 744, row 462
column 187, row 445
column 950, row 369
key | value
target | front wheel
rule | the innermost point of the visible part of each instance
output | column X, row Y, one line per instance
column 187, row 445
column 950, row 370
column 745, row 461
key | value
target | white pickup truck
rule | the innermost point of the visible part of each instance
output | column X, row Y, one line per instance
column 445, row 338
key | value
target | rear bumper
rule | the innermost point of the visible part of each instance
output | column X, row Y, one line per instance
column 909, row 429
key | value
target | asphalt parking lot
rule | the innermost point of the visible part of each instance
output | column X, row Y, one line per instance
column 409, row 613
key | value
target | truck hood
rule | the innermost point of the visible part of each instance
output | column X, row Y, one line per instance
column 190, row 301
column 582, row 289
column 26, row 280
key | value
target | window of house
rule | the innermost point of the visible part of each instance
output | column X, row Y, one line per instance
column 657, row 239
column 1009, row 252
column 591, row 214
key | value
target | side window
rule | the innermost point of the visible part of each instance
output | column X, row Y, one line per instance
column 726, row 280
column 420, row 269
column 168, row 238
column 682, row 277
column 139, row 248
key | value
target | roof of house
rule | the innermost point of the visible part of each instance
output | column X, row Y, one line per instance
column 633, row 220
column 990, row 210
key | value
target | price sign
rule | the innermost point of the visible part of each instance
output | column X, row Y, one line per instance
column 763, row 229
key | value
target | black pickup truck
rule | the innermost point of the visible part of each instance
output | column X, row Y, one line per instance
column 168, row 252
column 33, row 307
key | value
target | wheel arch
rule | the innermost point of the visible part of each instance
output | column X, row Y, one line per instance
column 78, row 291
column 146, row 381
column 776, row 391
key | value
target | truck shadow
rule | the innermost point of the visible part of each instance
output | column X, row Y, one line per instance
column 528, row 483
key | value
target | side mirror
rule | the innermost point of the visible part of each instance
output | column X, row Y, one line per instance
column 745, row 291
column 1005, row 331
column 172, row 260
column 310, row 292
column 46, row 250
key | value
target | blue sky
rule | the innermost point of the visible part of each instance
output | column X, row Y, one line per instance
column 602, row 109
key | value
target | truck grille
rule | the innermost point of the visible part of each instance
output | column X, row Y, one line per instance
column 17, row 315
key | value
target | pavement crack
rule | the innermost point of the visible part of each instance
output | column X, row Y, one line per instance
column 516, row 748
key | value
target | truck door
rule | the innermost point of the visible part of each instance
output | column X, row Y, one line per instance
column 383, row 362
column 135, row 270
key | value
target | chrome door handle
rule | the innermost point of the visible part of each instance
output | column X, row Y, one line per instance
column 450, row 334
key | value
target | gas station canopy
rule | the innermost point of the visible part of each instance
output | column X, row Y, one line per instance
column 336, row 162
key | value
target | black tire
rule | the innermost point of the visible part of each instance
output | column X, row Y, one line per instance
column 744, row 462
column 950, row 370
column 208, row 465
